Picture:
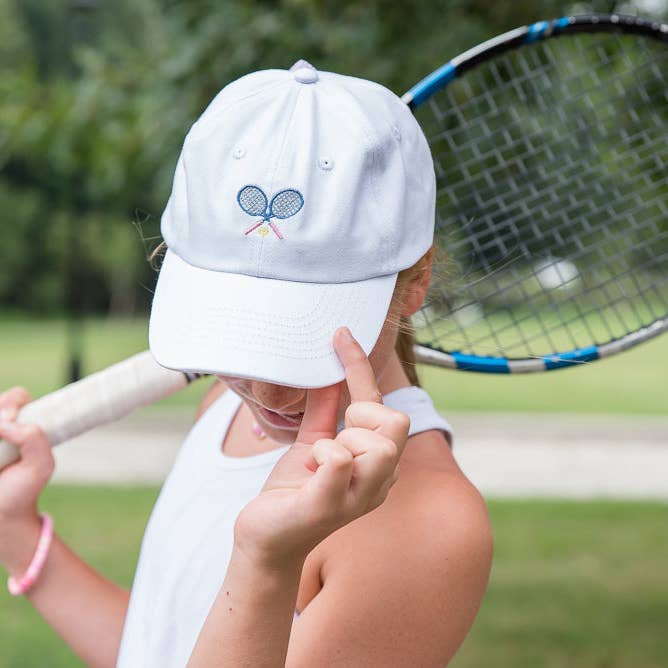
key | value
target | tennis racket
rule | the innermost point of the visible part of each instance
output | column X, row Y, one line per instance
column 101, row 398
column 550, row 145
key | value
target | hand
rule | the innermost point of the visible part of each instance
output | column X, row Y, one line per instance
column 325, row 480
column 22, row 481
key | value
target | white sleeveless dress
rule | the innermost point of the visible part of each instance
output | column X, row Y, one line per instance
column 188, row 540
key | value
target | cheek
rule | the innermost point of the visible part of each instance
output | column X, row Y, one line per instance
column 234, row 383
column 382, row 351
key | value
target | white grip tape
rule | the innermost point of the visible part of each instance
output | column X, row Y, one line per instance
column 98, row 399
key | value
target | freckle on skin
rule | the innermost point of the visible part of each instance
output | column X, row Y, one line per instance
column 227, row 592
column 230, row 609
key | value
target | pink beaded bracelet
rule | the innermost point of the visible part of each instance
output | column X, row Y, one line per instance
column 27, row 580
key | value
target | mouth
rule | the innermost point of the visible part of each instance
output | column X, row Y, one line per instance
column 284, row 420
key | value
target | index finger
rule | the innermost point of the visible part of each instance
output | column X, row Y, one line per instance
column 11, row 401
column 360, row 375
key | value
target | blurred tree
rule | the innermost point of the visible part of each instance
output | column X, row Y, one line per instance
column 100, row 147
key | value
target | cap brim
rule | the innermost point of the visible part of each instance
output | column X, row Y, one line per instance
column 261, row 328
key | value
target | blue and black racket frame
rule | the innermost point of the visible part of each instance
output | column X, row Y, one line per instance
column 648, row 302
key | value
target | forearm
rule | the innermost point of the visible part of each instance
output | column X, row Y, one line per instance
column 250, row 621
column 85, row 609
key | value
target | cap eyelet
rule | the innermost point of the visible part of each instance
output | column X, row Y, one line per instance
column 325, row 164
column 239, row 152
column 396, row 133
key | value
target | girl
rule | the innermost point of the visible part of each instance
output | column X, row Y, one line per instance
column 315, row 515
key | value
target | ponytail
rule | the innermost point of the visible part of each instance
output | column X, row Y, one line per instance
column 405, row 350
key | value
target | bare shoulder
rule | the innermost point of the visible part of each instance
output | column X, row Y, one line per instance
column 432, row 497
column 421, row 559
column 447, row 510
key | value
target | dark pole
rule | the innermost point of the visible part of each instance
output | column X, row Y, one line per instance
column 74, row 276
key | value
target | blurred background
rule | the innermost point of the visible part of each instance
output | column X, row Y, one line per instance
column 95, row 100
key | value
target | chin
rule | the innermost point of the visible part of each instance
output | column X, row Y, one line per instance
column 282, row 435
column 283, row 438
column 281, row 428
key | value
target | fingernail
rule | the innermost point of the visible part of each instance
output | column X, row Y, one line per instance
column 5, row 414
column 346, row 334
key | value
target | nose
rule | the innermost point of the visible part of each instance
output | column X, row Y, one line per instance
column 278, row 397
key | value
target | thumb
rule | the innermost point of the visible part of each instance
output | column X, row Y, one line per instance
column 320, row 414
column 33, row 445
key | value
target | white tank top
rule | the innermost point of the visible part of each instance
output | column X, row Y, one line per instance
column 188, row 540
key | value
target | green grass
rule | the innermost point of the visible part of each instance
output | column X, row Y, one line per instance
column 104, row 525
column 544, row 328
column 633, row 382
column 32, row 353
column 574, row 585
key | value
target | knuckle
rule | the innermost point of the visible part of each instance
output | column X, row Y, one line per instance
column 334, row 453
column 387, row 450
column 324, row 445
column 30, row 435
column 399, row 421
column 31, row 432
column 362, row 411
column 341, row 458
column 15, row 396
column 352, row 409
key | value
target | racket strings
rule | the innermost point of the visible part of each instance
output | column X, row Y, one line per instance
column 518, row 158
column 580, row 75
column 286, row 204
column 252, row 200
column 483, row 346
column 499, row 164
column 497, row 231
column 580, row 316
column 552, row 197
column 565, row 280
column 473, row 315
column 487, row 347
column 555, row 104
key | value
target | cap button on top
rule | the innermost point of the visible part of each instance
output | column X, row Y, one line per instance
column 304, row 72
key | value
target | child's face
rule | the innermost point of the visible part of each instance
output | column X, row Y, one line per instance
column 279, row 409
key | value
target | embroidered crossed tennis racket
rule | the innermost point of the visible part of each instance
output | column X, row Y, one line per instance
column 550, row 144
column 284, row 204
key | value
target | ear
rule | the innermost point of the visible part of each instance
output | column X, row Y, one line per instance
column 417, row 289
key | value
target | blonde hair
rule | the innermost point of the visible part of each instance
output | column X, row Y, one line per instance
column 404, row 346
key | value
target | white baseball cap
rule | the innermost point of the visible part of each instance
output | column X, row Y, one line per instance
column 297, row 198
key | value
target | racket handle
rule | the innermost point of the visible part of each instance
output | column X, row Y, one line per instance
column 98, row 399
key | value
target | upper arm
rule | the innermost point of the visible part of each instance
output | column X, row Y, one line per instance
column 401, row 590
